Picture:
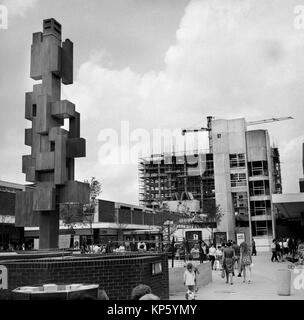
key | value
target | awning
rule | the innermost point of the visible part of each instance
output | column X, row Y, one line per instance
column 290, row 205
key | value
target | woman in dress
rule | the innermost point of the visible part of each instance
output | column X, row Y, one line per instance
column 246, row 261
column 228, row 262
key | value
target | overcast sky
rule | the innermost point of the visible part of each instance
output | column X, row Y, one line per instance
column 159, row 64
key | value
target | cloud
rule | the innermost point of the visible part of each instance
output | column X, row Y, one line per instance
column 230, row 59
column 18, row 7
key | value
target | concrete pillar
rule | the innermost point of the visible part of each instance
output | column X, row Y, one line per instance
column 48, row 229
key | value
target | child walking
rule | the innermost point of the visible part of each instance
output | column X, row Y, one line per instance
column 190, row 281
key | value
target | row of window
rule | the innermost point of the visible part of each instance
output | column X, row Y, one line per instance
column 255, row 168
column 238, row 179
column 237, row 160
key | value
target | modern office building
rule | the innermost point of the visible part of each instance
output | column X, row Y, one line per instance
column 240, row 173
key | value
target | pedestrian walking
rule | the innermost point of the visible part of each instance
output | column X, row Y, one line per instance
column 274, row 251
column 205, row 250
column 228, row 263
column 254, row 252
column 212, row 253
column 285, row 247
column 190, row 281
column 236, row 249
column 278, row 250
column 218, row 258
column 195, row 252
column 246, row 261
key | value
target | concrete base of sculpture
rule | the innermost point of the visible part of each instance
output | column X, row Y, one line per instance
column 49, row 230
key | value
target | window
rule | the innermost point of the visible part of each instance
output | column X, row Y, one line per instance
column 259, row 188
column 239, row 200
column 238, row 179
column 261, row 228
column 258, row 168
column 261, row 207
column 237, row 160
column 219, row 136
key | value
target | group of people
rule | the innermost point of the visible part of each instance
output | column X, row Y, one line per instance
column 237, row 257
column 115, row 247
column 10, row 247
column 228, row 257
column 287, row 249
column 198, row 251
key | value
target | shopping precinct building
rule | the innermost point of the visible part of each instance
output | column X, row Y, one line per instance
column 116, row 222
column 9, row 234
column 241, row 173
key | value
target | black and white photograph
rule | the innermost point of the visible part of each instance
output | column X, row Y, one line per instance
column 152, row 150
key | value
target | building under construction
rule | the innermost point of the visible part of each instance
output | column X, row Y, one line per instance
column 176, row 177
column 239, row 172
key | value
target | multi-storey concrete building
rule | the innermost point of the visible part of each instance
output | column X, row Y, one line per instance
column 240, row 172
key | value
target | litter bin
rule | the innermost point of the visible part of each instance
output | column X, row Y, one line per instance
column 283, row 282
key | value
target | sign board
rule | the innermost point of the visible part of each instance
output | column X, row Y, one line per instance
column 76, row 241
column 183, row 206
column 36, row 244
column 156, row 268
column 193, row 235
column 3, row 278
column 64, row 241
column 220, row 237
column 240, row 237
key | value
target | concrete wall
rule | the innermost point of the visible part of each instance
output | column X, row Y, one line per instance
column 228, row 136
column 256, row 145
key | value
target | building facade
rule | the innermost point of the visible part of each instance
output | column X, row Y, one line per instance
column 240, row 173
column 116, row 222
column 10, row 236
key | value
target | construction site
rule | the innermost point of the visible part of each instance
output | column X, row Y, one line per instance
column 239, row 173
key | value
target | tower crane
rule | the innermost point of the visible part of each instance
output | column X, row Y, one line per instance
column 252, row 123
column 209, row 120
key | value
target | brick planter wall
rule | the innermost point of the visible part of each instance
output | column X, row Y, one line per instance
column 117, row 275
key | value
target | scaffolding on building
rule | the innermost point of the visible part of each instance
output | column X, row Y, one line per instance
column 166, row 177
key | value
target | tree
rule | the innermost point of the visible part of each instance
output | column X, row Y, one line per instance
column 95, row 188
column 74, row 213
column 213, row 214
column 89, row 209
column 71, row 214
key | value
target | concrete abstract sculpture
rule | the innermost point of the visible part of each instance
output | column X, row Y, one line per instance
column 50, row 166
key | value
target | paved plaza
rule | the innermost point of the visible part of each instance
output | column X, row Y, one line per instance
column 263, row 286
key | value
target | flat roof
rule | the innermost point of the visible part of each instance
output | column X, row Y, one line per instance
column 289, row 205
column 12, row 185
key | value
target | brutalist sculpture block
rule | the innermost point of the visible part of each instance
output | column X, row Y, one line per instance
column 50, row 166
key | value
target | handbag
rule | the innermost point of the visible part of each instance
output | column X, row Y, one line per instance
column 223, row 274
column 246, row 261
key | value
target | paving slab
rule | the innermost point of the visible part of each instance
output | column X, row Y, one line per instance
column 262, row 287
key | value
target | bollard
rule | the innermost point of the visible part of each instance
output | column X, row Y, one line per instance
column 283, row 282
